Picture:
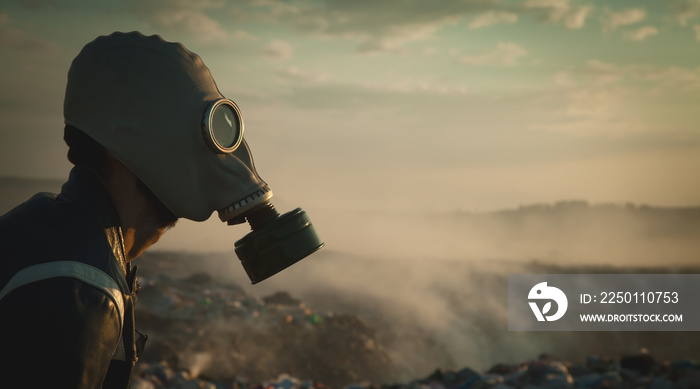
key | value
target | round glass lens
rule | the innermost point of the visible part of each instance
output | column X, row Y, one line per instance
column 226, row 126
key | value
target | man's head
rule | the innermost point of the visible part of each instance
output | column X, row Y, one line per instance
column 154, row 107
column 146, row 101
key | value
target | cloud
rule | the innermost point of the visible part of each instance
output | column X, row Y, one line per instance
column 197, row 23
column 503, row 55
column 602, row 97
column 576, row 19
column 623, row 18
column 641, row 33
column 378, row 26
column 295, row 75
column 241, row 35
column 183, row 16
column 554, row 11
column 278, row 50
column 11, row 37
column 423, row 86
column 392, row 26
column 686, row 10
column 395, row 41
column 549, row 10
column 491, row 18
column 697, row 32
column 389, row 26
column 672, row 77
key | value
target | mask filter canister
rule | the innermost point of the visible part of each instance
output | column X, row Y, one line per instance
column 275, row 242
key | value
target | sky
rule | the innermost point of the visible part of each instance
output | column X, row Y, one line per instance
column 404, row 106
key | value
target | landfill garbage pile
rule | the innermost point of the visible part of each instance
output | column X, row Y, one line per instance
column 632, row 371
column 219, row 331
column 209, row 332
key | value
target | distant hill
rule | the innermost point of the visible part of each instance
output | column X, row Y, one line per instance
column 582, row 217
column 578, row 232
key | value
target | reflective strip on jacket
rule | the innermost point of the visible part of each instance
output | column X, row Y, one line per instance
column 67, row 294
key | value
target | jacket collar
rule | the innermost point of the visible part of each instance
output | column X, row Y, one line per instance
column 84, row 188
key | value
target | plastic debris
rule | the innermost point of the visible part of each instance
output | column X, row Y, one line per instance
column 205, row 334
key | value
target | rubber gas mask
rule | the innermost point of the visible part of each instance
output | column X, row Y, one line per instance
column 276, row 241
column 155, row 106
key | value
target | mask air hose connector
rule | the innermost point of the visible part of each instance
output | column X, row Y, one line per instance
column 261, row 215
column 275, row 242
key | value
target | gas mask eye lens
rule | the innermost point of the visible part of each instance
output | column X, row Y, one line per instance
column 223, row 126
column 225, row 131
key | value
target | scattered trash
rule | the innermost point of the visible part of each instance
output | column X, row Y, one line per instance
column 202, row 328
column 205, row 334
column 535, row 374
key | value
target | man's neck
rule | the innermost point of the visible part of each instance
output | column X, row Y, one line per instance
column 140, row 223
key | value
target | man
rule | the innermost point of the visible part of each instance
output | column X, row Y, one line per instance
column 68, row 291
column 152, row 140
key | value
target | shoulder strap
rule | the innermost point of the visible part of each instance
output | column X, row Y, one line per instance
column 79, row 270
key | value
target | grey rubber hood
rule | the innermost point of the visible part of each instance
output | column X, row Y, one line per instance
column 143, row 99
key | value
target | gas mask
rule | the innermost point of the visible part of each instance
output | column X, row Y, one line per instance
column 156, row 108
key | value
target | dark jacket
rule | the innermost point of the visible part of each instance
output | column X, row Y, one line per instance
column 67, row 294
